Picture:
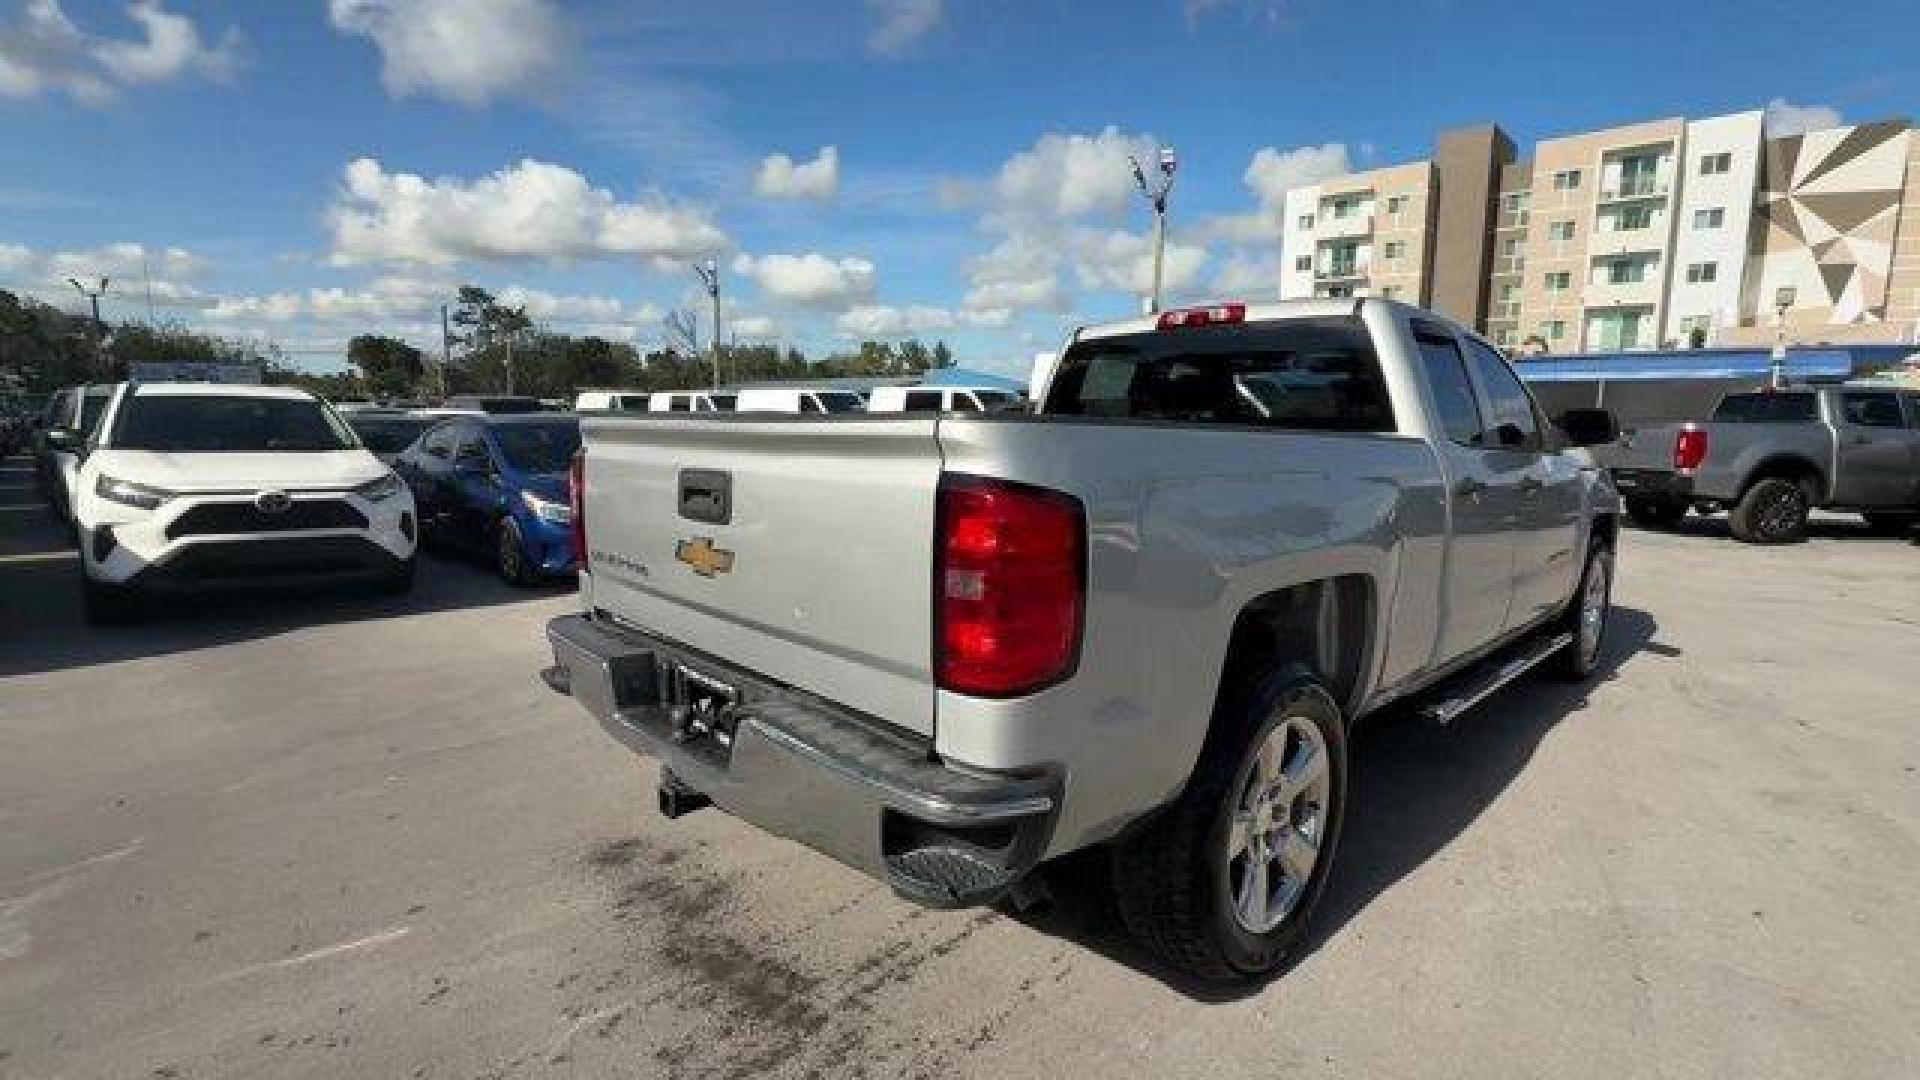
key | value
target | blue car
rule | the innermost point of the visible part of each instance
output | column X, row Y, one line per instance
column 497, row 485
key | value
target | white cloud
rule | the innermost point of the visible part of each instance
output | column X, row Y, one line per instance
column 812, row 279
column 1123, row 261
column 44, row 52
column 1021, row 271
column 467, row 51
column 887, row 321
column 1245, row 276
column 401, row 299
column 132, row 272
column 1268, row 11
column 1067, row 176
column 533, row 210
column 901, row 23
column 781, row 177
column 754, row 328
column 1785, row 118
column 1272, row 173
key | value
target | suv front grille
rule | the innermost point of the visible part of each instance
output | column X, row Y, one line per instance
column 217, row 518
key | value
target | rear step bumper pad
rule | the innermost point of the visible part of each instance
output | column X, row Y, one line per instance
column 875, row 800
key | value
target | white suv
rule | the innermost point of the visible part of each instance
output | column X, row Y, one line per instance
column 199, row 484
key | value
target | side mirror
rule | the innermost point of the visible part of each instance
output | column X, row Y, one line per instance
column 1590, row 427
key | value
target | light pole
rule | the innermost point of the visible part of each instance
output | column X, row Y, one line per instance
column 1777, row 366
column 1157, row 195
column 709, row 273
column 99, row 343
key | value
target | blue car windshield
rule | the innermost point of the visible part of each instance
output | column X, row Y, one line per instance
column 539, row 448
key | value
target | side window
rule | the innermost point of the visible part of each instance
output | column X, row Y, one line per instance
column 923, row 401
column 1459, row 411
column 1913, row 409
column 679, row 403
column 1879, row 409
column 964, row 402
column 57, row 411
column 1512, row 406
column 809, row 403
column 439, row 442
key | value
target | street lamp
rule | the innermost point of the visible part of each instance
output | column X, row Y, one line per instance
column 99, row 345
column 709, row 273
column 1777, row 367
column 1156, row 194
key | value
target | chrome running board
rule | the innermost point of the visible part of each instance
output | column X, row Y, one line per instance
column 1476, row 684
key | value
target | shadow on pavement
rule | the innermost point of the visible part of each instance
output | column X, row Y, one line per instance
column 1414, row 789
column 41, row 627
column 1822, row 527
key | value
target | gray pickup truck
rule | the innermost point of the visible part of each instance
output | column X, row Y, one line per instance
column 944, row 649
column 1770, row 457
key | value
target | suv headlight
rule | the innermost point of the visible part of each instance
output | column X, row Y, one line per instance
column 386, row 487
column 558, row 513
column 128, row 493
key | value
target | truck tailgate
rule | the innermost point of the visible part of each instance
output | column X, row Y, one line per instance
column 817, row 573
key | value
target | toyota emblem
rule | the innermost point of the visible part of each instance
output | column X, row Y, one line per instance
column 273, row 502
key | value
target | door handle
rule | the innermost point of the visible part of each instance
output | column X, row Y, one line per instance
column 1468, row 488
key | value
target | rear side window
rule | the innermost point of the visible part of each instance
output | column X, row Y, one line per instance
column 922, row 401
column 1872, row 409
column 1766, row 409
column 1446, row 371
column 1512, row 408
column 676, row 403
column 1316, row 374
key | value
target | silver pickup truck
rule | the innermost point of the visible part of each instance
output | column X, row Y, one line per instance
column 1770, row 457
column 944, row 649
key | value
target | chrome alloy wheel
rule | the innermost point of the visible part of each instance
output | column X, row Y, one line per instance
column 1273, row 838
column 1594, row 600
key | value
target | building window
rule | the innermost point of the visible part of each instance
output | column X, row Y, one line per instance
column 1303, row 263
column 1711, row 217
column 1509, row 292
column 1306, row 221
column 1393, row 249
column 1699, row 273
column 1503, row 336
column 1554, row 329
column 1516, row 201
column 1626, row 271
column 1633, row 218
column 1387, row 292
column 1510, row 247
column 1559, row 281
column 1339, row 292
column 1715, row 164
column 1395, row 203
column 1566, row 180
column 1560, row 230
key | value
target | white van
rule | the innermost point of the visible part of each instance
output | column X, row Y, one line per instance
column 690, row 401
column 798, row 399
column 610, row 401
column 940, row 399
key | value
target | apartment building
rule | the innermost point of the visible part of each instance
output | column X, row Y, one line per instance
column 1662, row 233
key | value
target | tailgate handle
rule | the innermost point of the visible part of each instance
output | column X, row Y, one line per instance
column 706, row 495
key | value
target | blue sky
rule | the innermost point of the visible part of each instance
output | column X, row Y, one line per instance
column 304, row 170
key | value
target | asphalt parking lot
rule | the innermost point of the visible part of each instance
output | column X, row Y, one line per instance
column 352, row 836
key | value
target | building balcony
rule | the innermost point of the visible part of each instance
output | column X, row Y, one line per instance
column 1613, row 294
column 1628, row 241
column 1340, row 272
column 1635, row 190
column 1346, row 228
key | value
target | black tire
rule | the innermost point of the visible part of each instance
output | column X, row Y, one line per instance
column 1656, row 513
column 1173, row 876
column 107, row 605
column 1773, row 511
column 1889, row 522
column 399, row 580
column 510, row 556
column 1577, row 661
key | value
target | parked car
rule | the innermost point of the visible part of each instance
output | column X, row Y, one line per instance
column 194, row 485
column 498, row 485
column 797, row 399
column 940, row 399
column 1770, row 457
column 610, row 401
column 495, row 404
column 386, row 433
column 690, row 401
column 945, row 649
column 59, row 441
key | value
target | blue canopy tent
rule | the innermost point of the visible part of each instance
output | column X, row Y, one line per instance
column 1668, row 387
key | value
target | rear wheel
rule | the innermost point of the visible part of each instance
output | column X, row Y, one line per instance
column 1656, row 513
column 510, row 555
column 1223, row 882
column 1586, row 617
column 1773, row 511
column 1890, row 522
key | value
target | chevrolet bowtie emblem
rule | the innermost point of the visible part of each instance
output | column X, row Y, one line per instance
column 706, row 560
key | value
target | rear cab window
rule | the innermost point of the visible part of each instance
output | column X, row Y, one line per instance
column 1316, row 373
column 1766, row 409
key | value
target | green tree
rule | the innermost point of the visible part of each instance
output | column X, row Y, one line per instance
column 389, row 367
column 942, row 356
column 914, row 357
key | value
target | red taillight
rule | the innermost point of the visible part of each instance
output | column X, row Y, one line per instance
column 1008, row 588
column 577, row 505
column 1689, row 449
column 1218, row 315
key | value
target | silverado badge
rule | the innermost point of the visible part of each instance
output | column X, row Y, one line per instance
column 706, row 560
